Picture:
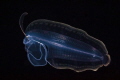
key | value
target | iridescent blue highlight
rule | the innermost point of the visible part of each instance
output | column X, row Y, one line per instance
column 63, row 46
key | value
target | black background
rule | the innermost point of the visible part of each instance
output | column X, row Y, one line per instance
column 98, row 19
